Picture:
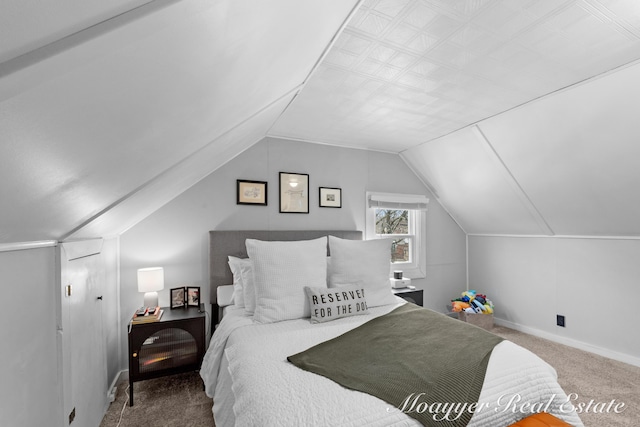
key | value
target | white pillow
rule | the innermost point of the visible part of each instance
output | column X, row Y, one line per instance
column 248, row 288
column 281, row 270
column 363, row 262
column 334, row 303
column 235, row 265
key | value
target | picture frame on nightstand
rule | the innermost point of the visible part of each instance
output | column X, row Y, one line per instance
column 193, row 296
column 177, row 298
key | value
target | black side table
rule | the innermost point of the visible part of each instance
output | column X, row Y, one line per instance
column 411, row 295
column 172, row 345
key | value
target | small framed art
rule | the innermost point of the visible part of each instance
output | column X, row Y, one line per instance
column 294, row 192
column 251, row 192
column 330, row 197
column 193, row 296
column 177, row 298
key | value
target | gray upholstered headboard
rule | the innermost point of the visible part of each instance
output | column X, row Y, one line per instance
column 232, row 242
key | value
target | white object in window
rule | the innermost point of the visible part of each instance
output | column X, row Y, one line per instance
column 401, row 217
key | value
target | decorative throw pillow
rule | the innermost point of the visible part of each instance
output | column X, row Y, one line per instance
column 362, row 261
column 235, row 264
column 333, row 303
column 281, row 270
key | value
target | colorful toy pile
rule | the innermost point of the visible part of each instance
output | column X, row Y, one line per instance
column 472, row 302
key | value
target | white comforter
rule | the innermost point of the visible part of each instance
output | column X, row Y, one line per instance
column 246, row 372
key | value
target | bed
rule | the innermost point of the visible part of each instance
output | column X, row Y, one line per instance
column 249, row 368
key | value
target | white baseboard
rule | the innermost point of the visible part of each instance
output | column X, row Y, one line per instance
column 111, row 393
column 611, row 354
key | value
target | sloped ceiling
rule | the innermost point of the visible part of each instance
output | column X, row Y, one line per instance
column 576, row 155
column 517, row 114
column 27, row 25
column 404, row 72
column 111, row 115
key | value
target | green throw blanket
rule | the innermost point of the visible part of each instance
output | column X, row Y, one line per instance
column 424, row 363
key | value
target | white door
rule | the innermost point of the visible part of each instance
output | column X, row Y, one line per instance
column 84, row 356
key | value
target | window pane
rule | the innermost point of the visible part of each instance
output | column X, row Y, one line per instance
column 401, row 250
column 392, row 221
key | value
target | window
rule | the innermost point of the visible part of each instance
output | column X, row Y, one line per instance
column 400, row 217
column 397, row 224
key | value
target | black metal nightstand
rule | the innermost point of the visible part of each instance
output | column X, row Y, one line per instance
column 174, row 344
column 411, row 295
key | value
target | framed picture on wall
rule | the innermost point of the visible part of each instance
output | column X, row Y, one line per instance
column 251, row 192
column 177, row 298
column 294, row 192
column 330, row 197
column 193, row 296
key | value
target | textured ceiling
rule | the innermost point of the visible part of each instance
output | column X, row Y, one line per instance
column 404, row 72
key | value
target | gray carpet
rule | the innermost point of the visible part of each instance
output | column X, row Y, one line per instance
column 590, row 376
column 174, row 401
column 179, row 400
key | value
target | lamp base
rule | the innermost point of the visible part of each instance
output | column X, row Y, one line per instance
column 151, row 299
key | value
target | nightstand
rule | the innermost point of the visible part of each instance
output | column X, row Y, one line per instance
column 174, row 344
column 411, row 295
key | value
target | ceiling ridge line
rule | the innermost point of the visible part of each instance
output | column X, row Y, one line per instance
column 332, row 42
column 506, row 172
column 78, row 37
column 317, row 64
column 604, row 14
column 432, row 190
column 21, row 246
column 330, row 144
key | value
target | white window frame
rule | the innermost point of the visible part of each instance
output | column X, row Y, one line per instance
column 417, row 268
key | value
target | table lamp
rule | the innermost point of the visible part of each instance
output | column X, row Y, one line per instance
column 150, row 280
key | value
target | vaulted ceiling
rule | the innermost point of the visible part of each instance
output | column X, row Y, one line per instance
column 519, row 115
column 404, row 72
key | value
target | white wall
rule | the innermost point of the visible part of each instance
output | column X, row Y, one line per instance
column 36, row 363
column 111, row 307
column 593, row 282
column 30, row 389
column 176, row 236
column 89, row 322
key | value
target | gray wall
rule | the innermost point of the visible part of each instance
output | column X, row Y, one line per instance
column 111, row 307
column 175, row 237
column 41, row 339
column 30, row 389
column 591, row 281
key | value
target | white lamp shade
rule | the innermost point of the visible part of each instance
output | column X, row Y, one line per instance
column 150, row 279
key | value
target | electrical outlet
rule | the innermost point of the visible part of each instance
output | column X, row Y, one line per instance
column 560, row 320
